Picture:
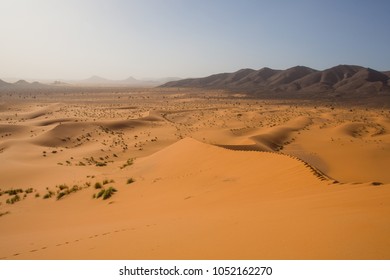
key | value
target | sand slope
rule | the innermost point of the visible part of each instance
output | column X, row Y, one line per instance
column 196, row 201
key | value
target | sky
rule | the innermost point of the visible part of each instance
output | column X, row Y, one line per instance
column 115, row 39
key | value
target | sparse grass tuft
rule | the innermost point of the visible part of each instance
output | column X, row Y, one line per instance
column 105, row 193
column 109, row 192
column 63, row 187
column 130, row 180
column 106, row 181
column 99, row 194
column 61, row 194
column 98, row 185
column 13, row 199
column 129, row 162
column 13, row 191
column 29, row 190
column 48, row 195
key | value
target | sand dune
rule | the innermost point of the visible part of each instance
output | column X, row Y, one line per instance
column 194, row 205
column 198, row 176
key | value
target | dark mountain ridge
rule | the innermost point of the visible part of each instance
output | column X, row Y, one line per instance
column 341, row 78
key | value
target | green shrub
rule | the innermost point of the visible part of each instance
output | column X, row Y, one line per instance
column 99, row 194
column 109, row 192
column 98, row 185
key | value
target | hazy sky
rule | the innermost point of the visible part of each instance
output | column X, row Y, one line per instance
column 115, row 39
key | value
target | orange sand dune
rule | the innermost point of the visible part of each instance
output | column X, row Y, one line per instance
column 198, row 176
column 196, row 201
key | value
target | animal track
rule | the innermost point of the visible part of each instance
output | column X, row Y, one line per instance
column 74, row 241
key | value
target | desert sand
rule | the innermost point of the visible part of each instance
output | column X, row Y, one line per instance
column 198, row 174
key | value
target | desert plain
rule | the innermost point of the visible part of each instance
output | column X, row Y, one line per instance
column 192, row 174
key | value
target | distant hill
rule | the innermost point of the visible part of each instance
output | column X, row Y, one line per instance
column 4, row 84
column 341, row 78
column 130, row 81
column 91, row 82
column 21, row 84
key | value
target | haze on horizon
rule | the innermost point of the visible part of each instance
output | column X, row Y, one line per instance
column 117, row 39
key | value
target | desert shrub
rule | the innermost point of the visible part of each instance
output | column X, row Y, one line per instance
column 75, row 188
column 48, row 195
column 100, row 164
column 99, row 194
column 98, row 185
column 13, row 199
column 129, row 162
column 29, row 190
column 106, row 181
column 109, row 192
column 60, row 195
column 63, row 187
column 13, row 191
column 130, row 180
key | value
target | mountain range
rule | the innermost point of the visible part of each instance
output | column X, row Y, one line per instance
column 341, row 78
column 22, row 84
column 91, row 81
